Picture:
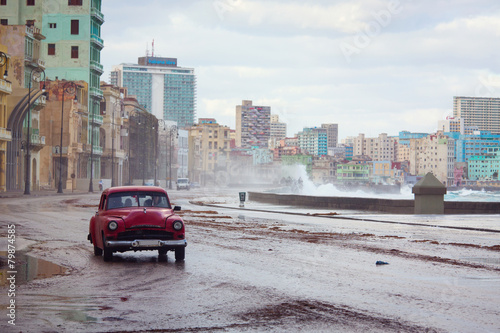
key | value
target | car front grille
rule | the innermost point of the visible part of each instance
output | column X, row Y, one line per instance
column 145, row 234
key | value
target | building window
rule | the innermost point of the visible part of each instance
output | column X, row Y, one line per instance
column 4, row 22
column 74, row 2
column 52, row 25
column 30, row 2
column 30, row 23
column 75, row 27
column 51, row 49
column 74, row 52
column 3, row 3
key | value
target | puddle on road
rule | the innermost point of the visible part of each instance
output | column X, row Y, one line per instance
column 28, row 268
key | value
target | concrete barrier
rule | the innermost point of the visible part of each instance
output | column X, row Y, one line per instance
column 370, row 204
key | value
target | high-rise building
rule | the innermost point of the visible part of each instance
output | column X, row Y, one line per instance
column 278, row 130
column 480, row 112
column 313, row 141
column 332, row 131
column 382, row 148
column 253, row 125
column 161, row 87
column 434, row 153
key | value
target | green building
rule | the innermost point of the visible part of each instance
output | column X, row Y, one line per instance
column 485, row 167
column 352, row 172
column 71, row 51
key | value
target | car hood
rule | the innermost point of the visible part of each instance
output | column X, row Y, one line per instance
column 143, row 217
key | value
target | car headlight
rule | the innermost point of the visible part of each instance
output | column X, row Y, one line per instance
column 112, row 225
column 177, row 225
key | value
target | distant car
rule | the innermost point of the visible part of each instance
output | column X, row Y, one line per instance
column 194, row 185
column 136, row 218
column 182, row 184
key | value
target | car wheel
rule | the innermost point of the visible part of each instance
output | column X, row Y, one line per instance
column 180, row 253
column 107, row 252
column 162, row 252
column 97, row 251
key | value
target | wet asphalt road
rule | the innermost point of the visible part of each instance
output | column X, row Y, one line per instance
column 252, row 272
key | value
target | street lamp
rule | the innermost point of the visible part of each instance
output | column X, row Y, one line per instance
column 36, row 73
column 140, row 120
column 69, row 88
column 113, row 134
column 91, row 185
column 170, row 134
column 4, row 60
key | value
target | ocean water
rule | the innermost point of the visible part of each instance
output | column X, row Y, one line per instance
column 296, row 172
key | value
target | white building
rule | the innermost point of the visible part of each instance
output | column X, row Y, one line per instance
column 382, row 148
column 161, row 87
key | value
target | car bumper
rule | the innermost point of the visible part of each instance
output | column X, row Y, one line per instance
column 146, row 243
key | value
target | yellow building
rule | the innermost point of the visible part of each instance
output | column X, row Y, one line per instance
column 25, row 70
column 5, row 134
column 74, row 153
column 209, row 148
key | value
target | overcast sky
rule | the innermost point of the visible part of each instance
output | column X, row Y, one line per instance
column 372, row 66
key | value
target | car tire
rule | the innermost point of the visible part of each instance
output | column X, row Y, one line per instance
column 162, row 252
column 107, row 252
column 97, row 251
column 180, row 253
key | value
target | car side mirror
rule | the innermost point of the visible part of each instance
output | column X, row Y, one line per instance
column 96, row 213
column 177, row 208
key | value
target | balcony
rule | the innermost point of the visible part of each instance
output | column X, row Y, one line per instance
column 6, row 87
column 40, row 103
column 5, row 134
column 97, row 119
column 97, row 41
column 97, row 67
column 96, row 13
column 97, row 150
column 40, row 63
column 96, row 93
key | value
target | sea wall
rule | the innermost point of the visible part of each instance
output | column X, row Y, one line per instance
column 371, row 204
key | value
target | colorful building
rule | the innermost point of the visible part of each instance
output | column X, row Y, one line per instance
column 485, row 167
column 353, row 172
column 313, row 141
column 253, row 125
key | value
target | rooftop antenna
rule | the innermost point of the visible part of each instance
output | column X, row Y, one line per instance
column 147, row 51
column 153, row 48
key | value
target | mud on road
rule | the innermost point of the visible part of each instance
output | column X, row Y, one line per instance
column 248, row 274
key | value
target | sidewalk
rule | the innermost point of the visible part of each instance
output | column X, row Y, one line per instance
column 40, row 193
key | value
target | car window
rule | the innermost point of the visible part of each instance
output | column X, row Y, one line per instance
column 137, row 199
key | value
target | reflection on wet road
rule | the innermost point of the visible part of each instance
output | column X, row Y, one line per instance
column 256, row 271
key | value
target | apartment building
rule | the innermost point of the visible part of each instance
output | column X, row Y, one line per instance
column 480, row 112
column 332, row 133
column 313, row 141
column 209, row 151
column 253, row 125
column 382, row 148
column 434, row 153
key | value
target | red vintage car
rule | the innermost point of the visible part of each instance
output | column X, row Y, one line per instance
column 136, row 218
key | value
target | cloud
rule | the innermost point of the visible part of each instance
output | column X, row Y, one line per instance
column 287, row 54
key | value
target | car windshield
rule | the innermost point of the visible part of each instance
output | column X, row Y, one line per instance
column 182, row 181
column 137, row 199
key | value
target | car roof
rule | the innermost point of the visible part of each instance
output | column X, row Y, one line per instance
column 117, row 189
